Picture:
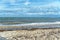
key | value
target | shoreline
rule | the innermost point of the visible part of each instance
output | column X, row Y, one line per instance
column 31, row 29
column 29, row 26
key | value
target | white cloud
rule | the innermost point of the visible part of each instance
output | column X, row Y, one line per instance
column 27, row 3
column 52, row 4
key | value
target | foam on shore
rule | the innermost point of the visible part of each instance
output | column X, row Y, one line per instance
column 27, row 24
column 30, row 26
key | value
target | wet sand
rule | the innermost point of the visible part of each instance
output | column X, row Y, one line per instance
column 28, row 27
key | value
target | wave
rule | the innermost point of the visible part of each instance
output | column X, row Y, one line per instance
column 28, row 24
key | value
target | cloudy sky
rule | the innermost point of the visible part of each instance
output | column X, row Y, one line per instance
column 29, row 8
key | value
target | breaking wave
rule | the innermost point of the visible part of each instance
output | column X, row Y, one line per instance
column 28, row 24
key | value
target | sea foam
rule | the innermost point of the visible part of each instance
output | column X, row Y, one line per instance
column 28, row 24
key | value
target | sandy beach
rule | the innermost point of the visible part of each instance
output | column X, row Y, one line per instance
column 33, row 34
column 33, row 31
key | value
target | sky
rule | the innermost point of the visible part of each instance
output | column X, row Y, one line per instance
column 29, row 8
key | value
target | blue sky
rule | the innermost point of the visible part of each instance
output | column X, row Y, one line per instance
column 29, row 8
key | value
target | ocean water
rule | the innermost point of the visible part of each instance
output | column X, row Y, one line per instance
column 33, row 22
column 23, row 20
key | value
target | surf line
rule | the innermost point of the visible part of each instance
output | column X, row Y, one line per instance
column 30, row 26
